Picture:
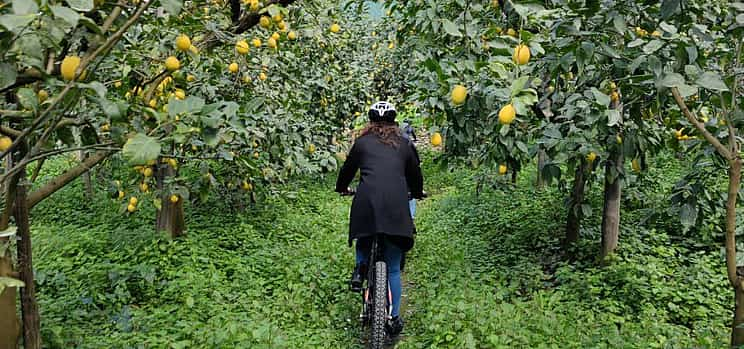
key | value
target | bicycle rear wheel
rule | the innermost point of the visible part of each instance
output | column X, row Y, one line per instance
column 379, row 306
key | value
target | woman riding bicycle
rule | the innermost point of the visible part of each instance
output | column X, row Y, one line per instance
column 389, row 169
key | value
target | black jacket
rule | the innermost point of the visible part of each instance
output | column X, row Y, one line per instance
column 381, row 201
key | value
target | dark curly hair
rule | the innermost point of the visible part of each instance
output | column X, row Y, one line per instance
column 387, row 132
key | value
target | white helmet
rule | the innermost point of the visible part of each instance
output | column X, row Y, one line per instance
column 382, row 111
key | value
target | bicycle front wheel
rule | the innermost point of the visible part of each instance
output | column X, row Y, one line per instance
column 379, row 306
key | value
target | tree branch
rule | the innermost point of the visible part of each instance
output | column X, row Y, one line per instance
column 8, row 131
column 722, row 150
column 60, row 181
column 84, row 63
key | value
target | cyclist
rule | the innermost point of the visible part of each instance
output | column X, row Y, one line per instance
column 408, row 131
column 389, row 170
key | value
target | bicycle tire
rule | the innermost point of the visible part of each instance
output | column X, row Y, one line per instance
column 379, row 307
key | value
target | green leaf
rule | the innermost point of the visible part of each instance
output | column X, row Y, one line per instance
column 190, row 105
column 711, row 81
column 140, row 149
column 619, row 22
column 9, row 282
column 601, row 98
column 98, row 87
column 673, row 80
column 14, row 22
column 172, row 6
column 81, row 5
column 688, row 215
column 653, row 46
column 668, row 28
column 90, row 24
column 669, row 8
column 613, row 117
column 686, row 90
column 65, row 13
column 25, row 7
column 518, row 85
column 27, row 98
column 8, row 75
column 451, row 28
column 110, row 109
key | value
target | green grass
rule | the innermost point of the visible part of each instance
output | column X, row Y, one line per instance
column 486, row 272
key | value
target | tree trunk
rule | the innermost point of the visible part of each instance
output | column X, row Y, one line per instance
column 737, row 328
column 170, row 217
column 611, row 212
column 541, row 157
column 737, row 331
column 10, row 327
column 575, row 213
column 87, row 181
column 29, row 308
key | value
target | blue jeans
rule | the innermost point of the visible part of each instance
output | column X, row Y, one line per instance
column 412, row 207
column 392, row 257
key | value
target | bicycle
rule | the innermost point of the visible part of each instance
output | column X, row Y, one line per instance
column 377, row 299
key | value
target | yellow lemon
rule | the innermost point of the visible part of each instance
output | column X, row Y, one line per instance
column 311, row 148
column 276, row 36
column 173, row 163
column 255, row 6
column 282, row 26
column 615, row 96
column 5, row 143
column 264, row 22
column 131, row 208
column 591, row 156
column 180, row 94
column 272, row 43
column 147, row 172
column 502, row 169
column 247, row 186
column 174, row 198
column 133, row 200
column 153, row 103
column 292, row 35
column 277, row 17
column 507, row 114
column 521, row 54
column 256, row 42
column 233, row 67
column 511, row 32
column 183, row 43
column 459, row 93
column 172, row 63
column 120, row 195
column 242, row 47
column 436, row 139
column 144, row 187
column 335, row 28
column 262, row 76
column 69, row 66
column 190, row 78
column 42, row 95
column 636, row 165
